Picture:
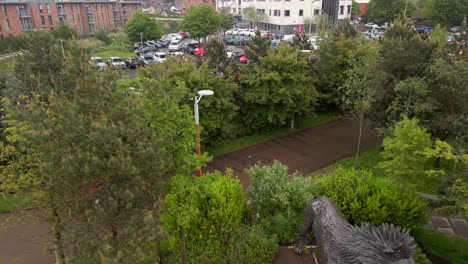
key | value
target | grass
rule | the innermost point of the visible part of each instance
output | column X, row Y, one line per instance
column 9, row 203
column 90, row 43
column 231, row 145
column 452, row 249
column 114, row 53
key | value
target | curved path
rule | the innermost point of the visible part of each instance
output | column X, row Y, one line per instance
column 304, row 151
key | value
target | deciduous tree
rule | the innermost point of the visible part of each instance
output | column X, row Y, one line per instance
column 380, row 11
column 142, row 26
column 201, row 21
column 251, row 14
column 448, row 13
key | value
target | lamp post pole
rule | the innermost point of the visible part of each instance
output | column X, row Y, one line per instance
column 141, row 40
column 197, row 122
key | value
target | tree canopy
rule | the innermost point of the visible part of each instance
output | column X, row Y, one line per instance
column 380, row 11
column 251, row 14
column 448, row 13
column 143, row 24
column 201, row 21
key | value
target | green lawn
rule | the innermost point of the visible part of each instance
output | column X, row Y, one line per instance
column 452, row 249
column 105, row 54
column 15, row 202
column 231, row 145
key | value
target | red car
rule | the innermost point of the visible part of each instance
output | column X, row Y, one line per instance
column 200, row 51
column 243, row 59
column 183, row 35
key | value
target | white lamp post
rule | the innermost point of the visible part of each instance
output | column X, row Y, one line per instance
column 197, row 99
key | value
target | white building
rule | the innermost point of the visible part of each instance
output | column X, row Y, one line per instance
column 284, row 16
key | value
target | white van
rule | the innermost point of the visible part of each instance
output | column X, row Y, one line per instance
column 175, row 45
column 159, row 56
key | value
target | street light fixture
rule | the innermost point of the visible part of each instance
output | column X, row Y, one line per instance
column 197, row 99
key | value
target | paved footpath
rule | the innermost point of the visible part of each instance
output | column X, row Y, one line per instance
column 305, row 151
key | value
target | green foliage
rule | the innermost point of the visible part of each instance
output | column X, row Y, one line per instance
column 276, row 90
column 419, row 257
column 166, row 102
column 120, row 40
column 227, row 20
column 245, row 244
column 251, row 245
column 387, row 10
column 403, row 157
column 448, row 13
column 143, row 24
column 251, row 14
column 103, row 36
column 356, row 8
column 301, row 42
column 278, row 200
column 273, row 191
column 361, row 197
column 258, row 48
column 208, row 208
column 216, row 54
column 14, row 43
column 200, row 21
column 64, row 32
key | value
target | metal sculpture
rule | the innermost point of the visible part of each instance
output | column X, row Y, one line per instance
column 339, row 242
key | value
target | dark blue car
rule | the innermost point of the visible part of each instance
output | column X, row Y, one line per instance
column 426, row 29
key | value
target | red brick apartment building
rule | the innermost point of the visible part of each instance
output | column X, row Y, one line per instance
column 85, row 16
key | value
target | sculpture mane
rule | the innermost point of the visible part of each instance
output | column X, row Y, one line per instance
column 339, row 242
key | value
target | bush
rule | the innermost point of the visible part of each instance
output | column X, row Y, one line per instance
column 363, row 198
column 208, row 208
column 278, row 200
column 272, row 191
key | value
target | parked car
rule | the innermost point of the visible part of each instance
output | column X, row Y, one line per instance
column 372, row 25
column 116, row 63
column 133, row 63
column 145, row 50
column 236, row 54
column 231, row 31
column 229, row 50
column 175, row 45
column 159, row 56
column 266, row 34
column 231, row 39
column 148, row 59
column 200, row 51
column 98, row 62
column 183, row 34
column 425, row 29
column 455, row 29
column 190, row 48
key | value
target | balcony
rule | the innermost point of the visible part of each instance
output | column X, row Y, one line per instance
column 24, row 13
column 61, row 11
column 116, row 18
column 26, row 27
column 89, row 10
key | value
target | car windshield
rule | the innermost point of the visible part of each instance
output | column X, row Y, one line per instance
column 116, row 60
column 99, row 60
column 148, row 58
column 162, row 56
column 174, row 43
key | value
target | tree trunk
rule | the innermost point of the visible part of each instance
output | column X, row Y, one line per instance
column 358, row 149
column 59, row 254
column 183, row 250
column 158, row 252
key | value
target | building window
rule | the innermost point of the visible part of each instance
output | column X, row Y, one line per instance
column 301, row 12
column 269, row 11
column 43, row 20
column 316, row 12
column 261, row 11
column 276, row 12
column 40, row 9
column 73, row 18
column 71, row 7
column 349, row 9
column 287, row 13
column 7, row 25
column 341, row 10
column 50, row 20
column 4, row 10
column 48, row 8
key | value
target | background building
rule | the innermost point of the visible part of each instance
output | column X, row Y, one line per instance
column 284, row 16
column 85, row 16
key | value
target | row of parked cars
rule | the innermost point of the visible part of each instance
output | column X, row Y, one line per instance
column 130, row 62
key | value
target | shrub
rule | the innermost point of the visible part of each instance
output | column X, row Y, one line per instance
column 278, row 200
column 272, row 191
column 208, row 208
column 364, row 198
